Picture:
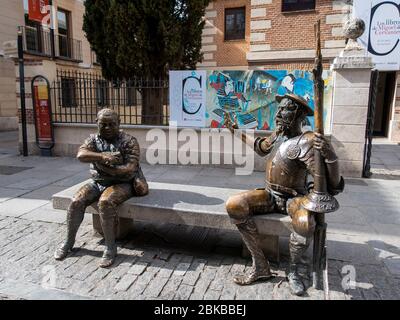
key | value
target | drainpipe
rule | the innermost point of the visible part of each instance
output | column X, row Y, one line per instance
column 52, row 36
column 22, row 91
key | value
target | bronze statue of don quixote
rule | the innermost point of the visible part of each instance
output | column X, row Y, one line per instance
column 291, row 156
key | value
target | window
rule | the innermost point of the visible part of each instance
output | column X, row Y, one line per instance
column 131, row 95
column 101, row 93
column 297, row 5
column 64, row 45
column 94, row 58
column 33, row 33
column 235, row 23
column 68, row 93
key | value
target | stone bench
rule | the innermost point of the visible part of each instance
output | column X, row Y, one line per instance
column 186, row 205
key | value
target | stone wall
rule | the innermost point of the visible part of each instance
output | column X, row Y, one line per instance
column 349, row 118
column 11, row 16
column 8, row 101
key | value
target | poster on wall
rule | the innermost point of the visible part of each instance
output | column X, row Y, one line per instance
column 382, row 33
column 187, row 92
column 250, row 95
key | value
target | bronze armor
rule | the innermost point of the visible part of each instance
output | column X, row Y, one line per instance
column 288, row 164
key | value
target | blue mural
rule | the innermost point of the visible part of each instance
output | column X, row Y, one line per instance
column 251, row 95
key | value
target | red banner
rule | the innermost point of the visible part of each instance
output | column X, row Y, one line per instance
column 38, row 10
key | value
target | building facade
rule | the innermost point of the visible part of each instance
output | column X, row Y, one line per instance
column 277, row 34
column 52, row 47
column 268, row 34
column 238, row 35
column 11, row 16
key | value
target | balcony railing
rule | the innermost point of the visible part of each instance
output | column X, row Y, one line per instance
column 67, row 47
column 39, row 41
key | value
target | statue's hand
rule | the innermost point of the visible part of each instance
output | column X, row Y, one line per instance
column 231, row 125
column 326, row 149
column 111, row 158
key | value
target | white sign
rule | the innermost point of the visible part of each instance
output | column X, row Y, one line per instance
column 382, row 35
column 187, row 98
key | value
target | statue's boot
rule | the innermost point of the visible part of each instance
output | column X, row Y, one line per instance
column 297, row 247
column 75, row 215
column 296, row 284
column 110, row 250
column 108, row 224
column 260, row 269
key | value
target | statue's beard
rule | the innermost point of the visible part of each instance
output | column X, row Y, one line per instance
column 283, row 126
column 286, row 127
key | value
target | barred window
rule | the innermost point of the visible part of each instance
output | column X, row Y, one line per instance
column 101, row 93
column 235, row 23
column 68, row 93
column 131, row 95
column 297, row 5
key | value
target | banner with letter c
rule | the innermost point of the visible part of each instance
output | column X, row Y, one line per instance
column 382, row 31
column 187, row 92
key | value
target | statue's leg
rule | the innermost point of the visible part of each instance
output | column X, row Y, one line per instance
column 240, row 208
column 109, row 201
column 303, row 224
column 85, row 196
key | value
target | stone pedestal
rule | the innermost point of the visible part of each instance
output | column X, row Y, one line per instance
column 351, row 77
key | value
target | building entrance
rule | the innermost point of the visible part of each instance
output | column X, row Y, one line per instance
column 384, row 100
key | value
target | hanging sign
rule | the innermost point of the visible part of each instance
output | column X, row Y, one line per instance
column 38, row 10
column 382, row 31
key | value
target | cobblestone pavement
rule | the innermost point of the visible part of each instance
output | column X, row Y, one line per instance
column 163, row 261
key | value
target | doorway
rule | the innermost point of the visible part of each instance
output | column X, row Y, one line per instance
column 384, row 99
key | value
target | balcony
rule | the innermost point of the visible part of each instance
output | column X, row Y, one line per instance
column 36, row 41
column 68, row 48
column 39, row 41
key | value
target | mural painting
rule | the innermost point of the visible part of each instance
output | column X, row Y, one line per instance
column 251, row 94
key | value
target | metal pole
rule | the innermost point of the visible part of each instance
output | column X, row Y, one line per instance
column 52, row 35
column 22, row 92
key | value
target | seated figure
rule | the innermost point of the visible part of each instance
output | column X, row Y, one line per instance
column 289, row 160
column 116, row 176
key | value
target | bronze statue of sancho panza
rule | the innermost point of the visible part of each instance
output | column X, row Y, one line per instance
column 116, row 176
column 289, row 160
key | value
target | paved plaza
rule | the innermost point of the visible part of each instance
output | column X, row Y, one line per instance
column 164, row 261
